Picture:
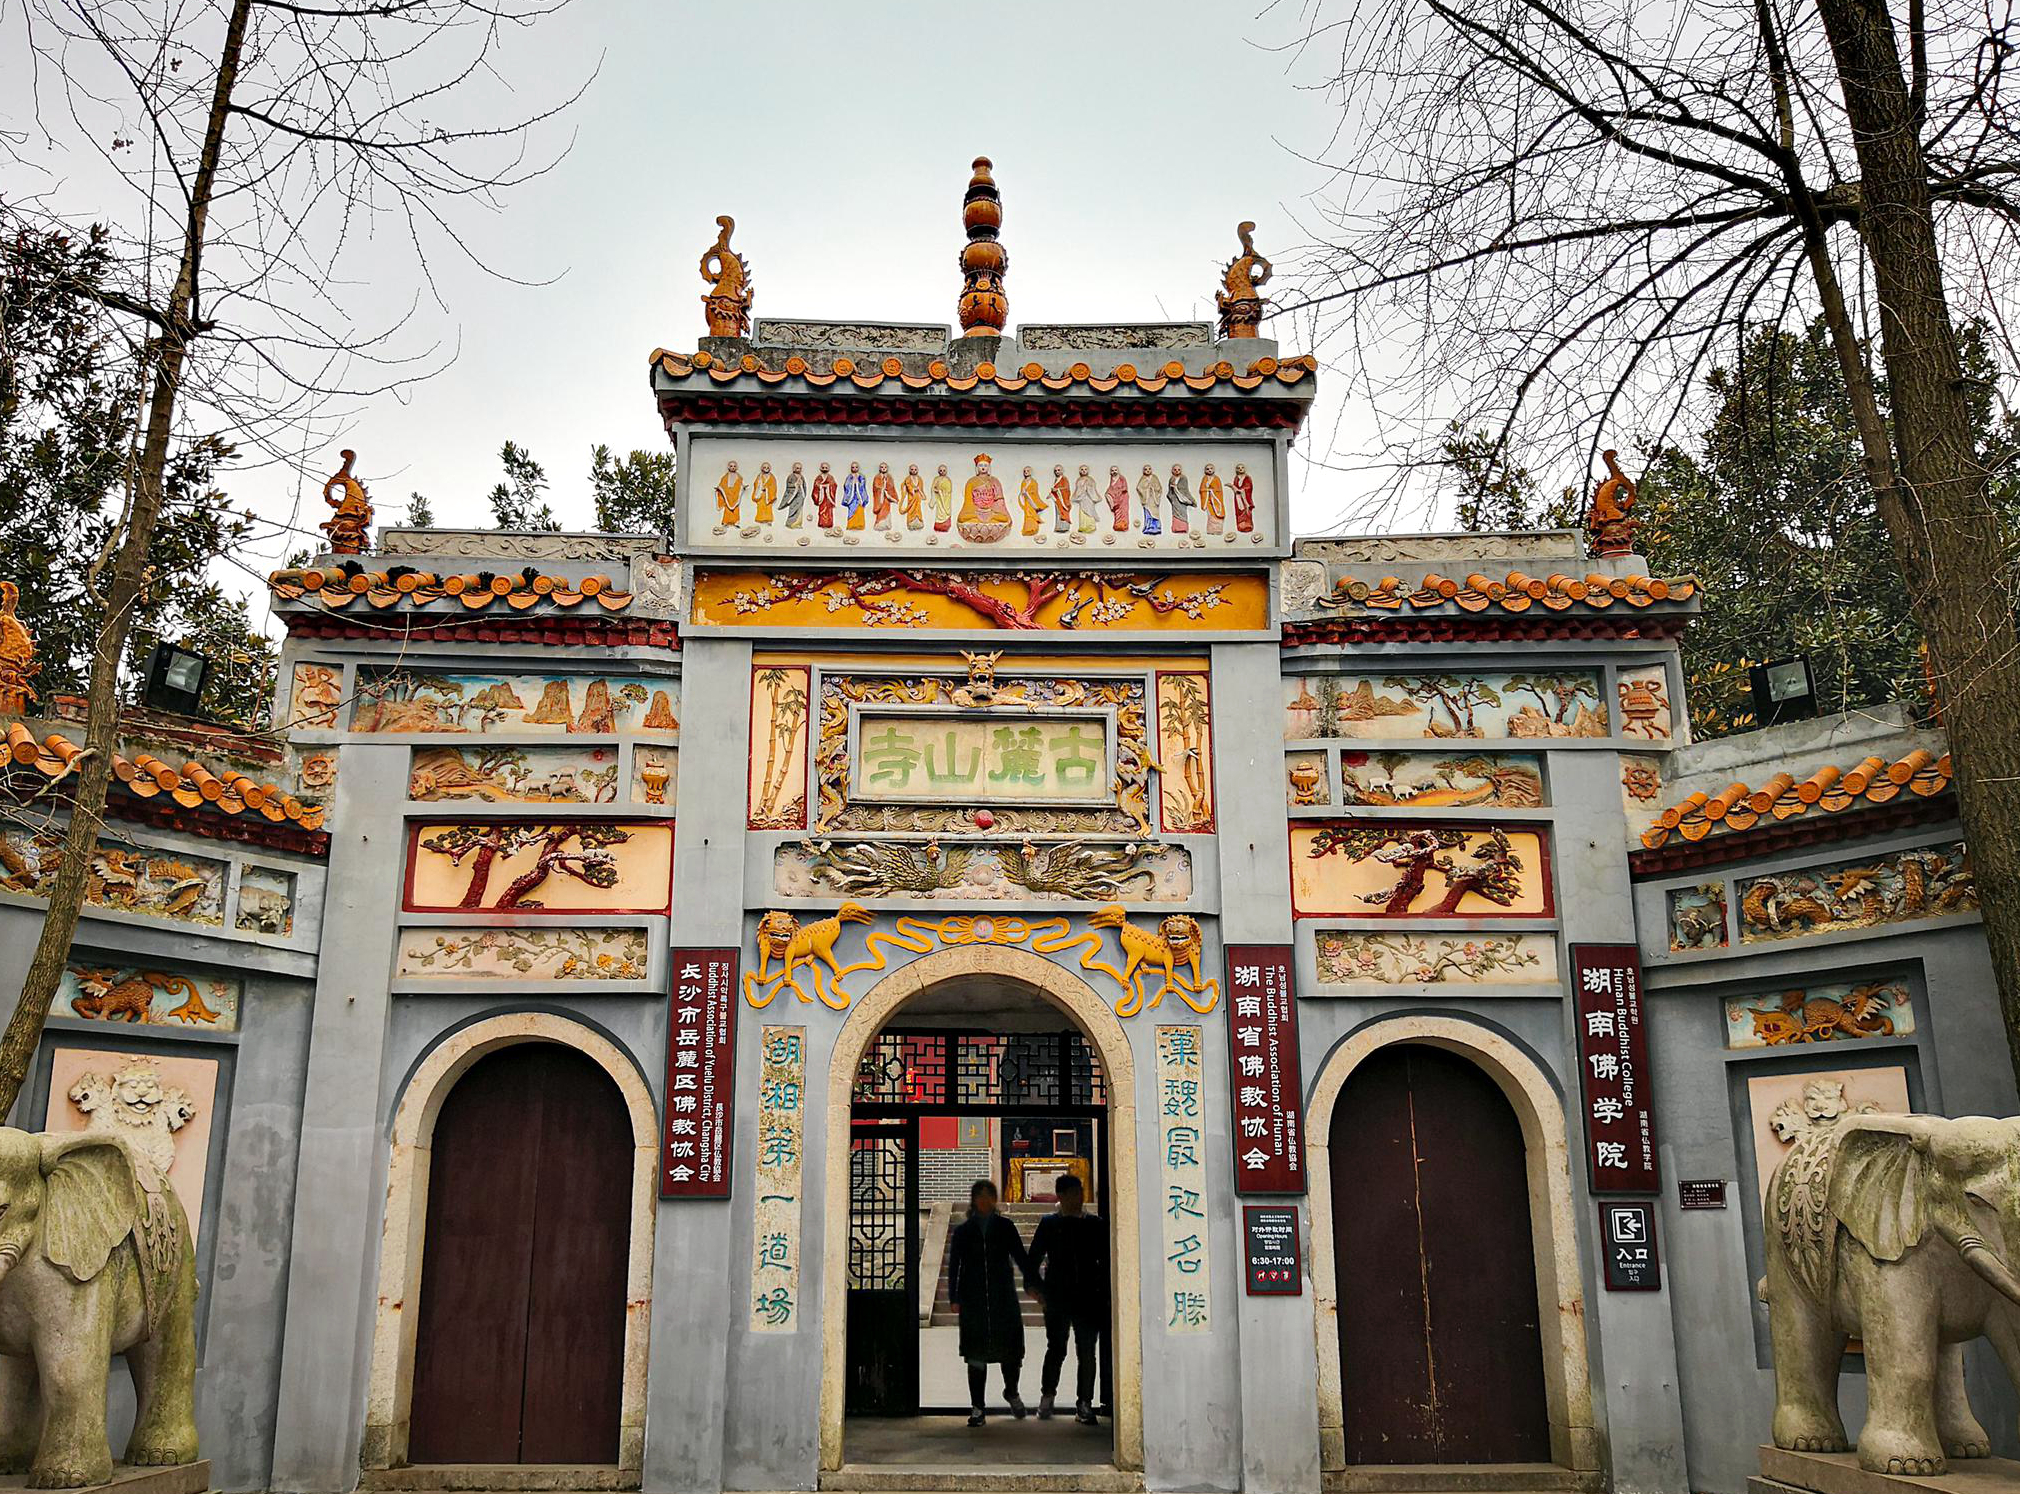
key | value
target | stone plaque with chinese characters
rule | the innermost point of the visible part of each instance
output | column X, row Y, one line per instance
column 1262, row 1037
column 1613, row 1069
column 1034, row 759
column 775, row 1240
column 1181, row 1127
column 700, row 1074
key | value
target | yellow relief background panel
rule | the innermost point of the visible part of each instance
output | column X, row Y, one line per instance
column 1394, row 869
column 529, row 866
column 779, row 702
column 1092, row 602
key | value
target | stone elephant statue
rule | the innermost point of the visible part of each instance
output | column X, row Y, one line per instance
column 1897, row 1229
column 96, row 1259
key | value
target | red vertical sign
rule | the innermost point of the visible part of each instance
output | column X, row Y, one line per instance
column 1262, row 1039
column 1613, row 1070
column 694, row 1153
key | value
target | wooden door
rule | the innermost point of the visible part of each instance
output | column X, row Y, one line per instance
column 519, row 1348
column 1440, row 1357
column 882, row 1354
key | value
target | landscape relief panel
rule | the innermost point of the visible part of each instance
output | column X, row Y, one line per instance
column 410, row 700
column 526, row 866
column 514, row 775
column 1837, row 1013
column 123, row 878
column 1539, row 704
column 521, row 954
column 881, row 496
column 1347, row 957
column 149, row 995
column 1396, row 869
column 1426, row 780
column 1889, row 887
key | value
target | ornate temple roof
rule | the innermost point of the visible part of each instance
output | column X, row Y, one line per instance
column 1828, row 790
column 341, row 586
column 144, row 775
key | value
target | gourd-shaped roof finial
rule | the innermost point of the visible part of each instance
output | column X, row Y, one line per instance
column 984, row 306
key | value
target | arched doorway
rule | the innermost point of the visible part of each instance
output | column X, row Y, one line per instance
column 911, row 989
column 519, row 1341
column 1440, row 1349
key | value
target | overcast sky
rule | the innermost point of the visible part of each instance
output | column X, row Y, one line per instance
column 1129, row 139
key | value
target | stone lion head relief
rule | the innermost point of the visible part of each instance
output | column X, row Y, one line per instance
column 133, row 1102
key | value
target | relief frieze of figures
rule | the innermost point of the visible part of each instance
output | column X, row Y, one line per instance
column 797, row 494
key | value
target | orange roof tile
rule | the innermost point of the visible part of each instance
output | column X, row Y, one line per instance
column 144, row 775
column 1514, row 592
column 1739, row 807
column 940, row 375
column 341, row 586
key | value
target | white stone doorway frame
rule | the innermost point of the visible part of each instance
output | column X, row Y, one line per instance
column 1097, row 1023
column 389, row 1395
column 1560, row 1289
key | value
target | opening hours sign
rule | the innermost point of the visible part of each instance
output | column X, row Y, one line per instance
column 1262, row 1036
column 700, row 1074
column 1613, row 1069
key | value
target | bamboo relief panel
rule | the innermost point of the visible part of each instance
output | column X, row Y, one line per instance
column 881, row 496
column 521, row 954
column 1540, row 704
column 526, row 866
column 1394, row 869
column 780, row 699
column 1185, row 753
column 408, row 700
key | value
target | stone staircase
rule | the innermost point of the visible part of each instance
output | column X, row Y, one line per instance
column 1025, row 1216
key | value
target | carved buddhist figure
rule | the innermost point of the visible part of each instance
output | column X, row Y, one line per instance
column 1898, row 1230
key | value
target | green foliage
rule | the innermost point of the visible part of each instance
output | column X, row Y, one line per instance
column 520, row 502
column 420, row 512
column 69, row 401
column 1773, row 514
column 635, row 495
column 1496, row 497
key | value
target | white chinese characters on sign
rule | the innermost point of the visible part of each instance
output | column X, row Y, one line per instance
column 1263, row 1062
column 775, row 1244
column 700, row 1073
column 1181, row 1122
column 1613, row 1069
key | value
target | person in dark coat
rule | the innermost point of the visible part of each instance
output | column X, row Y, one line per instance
column 985, row 1260
column 1069, row 1256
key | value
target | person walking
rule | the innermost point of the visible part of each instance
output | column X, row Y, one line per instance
column 1069, row 1256
column 985, row 1259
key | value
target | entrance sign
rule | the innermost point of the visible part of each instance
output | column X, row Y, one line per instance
column 775, row 1241
column 1181, row 1133
column 1269, row 1235
column 1627, row 1229
column 1026, row 759
column 1613, row 1069
column 1262, row 1036
column 694, row 1153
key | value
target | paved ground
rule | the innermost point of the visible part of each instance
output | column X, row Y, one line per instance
column 949, row 1442
column 943, row 1378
